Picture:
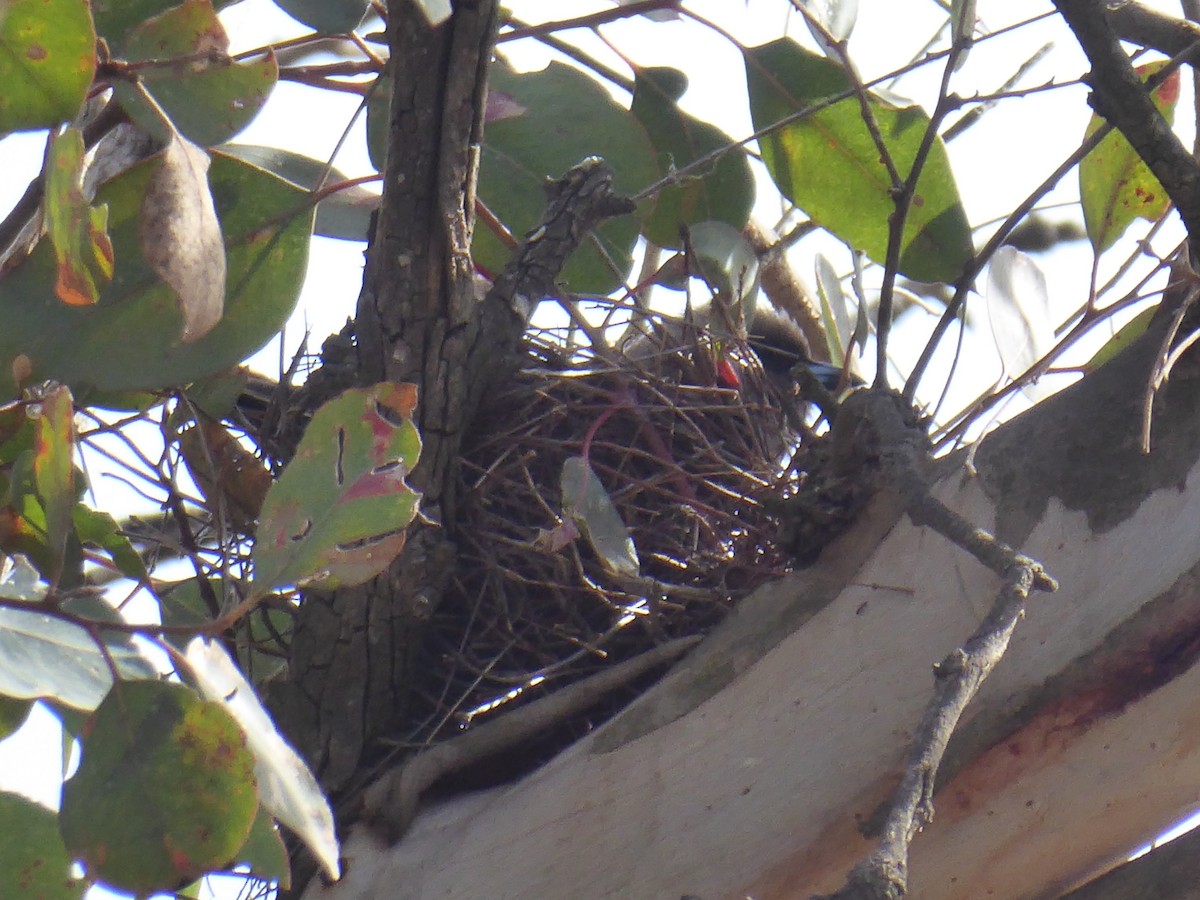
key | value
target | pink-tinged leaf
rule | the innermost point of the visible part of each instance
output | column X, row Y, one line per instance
column 338, row 513
column 77, row 230
column 1115, row 186
column 54, row 469
column 181, row 236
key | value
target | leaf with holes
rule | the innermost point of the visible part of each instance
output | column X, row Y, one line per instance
column 1115, row 186
column 337, row 514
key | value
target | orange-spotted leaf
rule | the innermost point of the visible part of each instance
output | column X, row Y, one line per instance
column 47, row 60
column 78, row 230
column 1115, row 185
column 54, row 469
column 165, row 790
column 338, row 513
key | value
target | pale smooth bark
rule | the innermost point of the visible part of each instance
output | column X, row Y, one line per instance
column 749, row 770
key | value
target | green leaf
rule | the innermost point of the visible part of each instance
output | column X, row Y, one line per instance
column 42, row 656
column 828, row 165
column 287, row 786
column 129, row 340
column 723, row 191
column 265, row 852
column 541, row 124
column 116, row 18
column 165, row 789
column 100, row 530
column 34, row 864
column 338, row 513
column 1115, row 186
column 47, row 59
column 1128, row 333
column 78, row 231
column 207, row 96
column 184, row 605
column 326, row 16
column 345, row 215
column 54, row 470
column 585, row 501
column 13, row 713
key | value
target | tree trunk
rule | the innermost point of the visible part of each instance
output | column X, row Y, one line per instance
column 758, row 765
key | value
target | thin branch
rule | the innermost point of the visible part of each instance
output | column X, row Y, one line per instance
column 879, row 423
column 1120, row 96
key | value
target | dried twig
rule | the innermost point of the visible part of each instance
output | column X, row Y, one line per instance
column 881, row 428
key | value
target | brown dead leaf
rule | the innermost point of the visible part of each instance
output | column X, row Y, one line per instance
column 181, row 236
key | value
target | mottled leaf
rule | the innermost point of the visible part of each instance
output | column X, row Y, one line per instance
column 47, row 59
column 828, row 164
column 339, row 511
column 1115, row 186
column 77, row 230
column 54, row 469
column 183, row 65
column 34, row 864
column 165, row 789
column 287, row 787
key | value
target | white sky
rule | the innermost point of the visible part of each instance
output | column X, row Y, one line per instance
column 996, row 163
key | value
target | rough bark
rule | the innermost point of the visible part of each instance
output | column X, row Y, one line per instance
column 353, row 649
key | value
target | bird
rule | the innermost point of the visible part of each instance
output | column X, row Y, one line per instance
column 771, row 334
column 780, row 346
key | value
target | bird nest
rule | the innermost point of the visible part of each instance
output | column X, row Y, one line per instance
column 689, row 441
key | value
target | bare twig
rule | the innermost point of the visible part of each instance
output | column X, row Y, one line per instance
column 878, row 425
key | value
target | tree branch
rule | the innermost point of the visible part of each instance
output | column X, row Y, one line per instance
column 879, row 427
column 1121, row 97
